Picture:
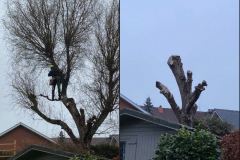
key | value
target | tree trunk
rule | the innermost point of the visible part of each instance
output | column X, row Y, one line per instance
column 187, row 112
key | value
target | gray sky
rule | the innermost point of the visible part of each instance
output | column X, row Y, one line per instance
column 204, row 33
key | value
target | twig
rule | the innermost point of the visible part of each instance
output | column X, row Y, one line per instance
column 48, row 98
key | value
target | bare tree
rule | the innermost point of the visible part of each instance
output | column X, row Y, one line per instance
column 58, row 32
column 189, row 107
column 104, row 91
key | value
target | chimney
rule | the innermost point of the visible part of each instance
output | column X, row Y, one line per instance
column 160, row 109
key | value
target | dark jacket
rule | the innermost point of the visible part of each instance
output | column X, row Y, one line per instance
column 53, row 73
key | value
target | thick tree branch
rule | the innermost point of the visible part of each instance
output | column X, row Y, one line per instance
column 95, row 122
column 195, row 95
column 189, row 82
column 72, row 108
column 168, row 95
column 176, row 66
column 63, row 125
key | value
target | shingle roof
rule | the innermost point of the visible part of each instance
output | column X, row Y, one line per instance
column 230, row 116
column 95, row 140
column 168, row 114
column 20, row 124
column 152, row 119
column 35, row 148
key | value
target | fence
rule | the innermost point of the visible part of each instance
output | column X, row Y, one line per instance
column 8, row 152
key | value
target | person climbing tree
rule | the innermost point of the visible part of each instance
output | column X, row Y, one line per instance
column 56, row 80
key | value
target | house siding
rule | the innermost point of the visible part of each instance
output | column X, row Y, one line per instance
column 141, row 138
column 23, row 138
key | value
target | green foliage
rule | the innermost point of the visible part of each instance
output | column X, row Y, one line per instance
column 74, row 158
column 87, row 157
column 105, row 150
column 148, row 104
column 213, row 125
column 61, row 137
column 186, row 145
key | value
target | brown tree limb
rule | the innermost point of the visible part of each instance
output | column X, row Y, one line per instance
column 72, row 108
column 33, row 98
column 176, row 66
column 189, row 82
column 63, row 125
column 195, row 95
column 168, row 95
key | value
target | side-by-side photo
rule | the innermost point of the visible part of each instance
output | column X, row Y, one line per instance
column 179, row 68
column 119, row 80
column 59, row 79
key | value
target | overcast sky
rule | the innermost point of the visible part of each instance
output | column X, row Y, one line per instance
column 204, row 33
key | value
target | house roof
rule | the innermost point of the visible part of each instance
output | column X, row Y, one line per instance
column 95, row 140
column 133, row 104
column 230, row 116
column 168, row 114
column 28, row 152
column 20, row 124
column 152, row 119
column 100, row 140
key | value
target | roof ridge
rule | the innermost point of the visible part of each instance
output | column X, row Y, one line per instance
column 226, row 110
column 134, row 104
column 153, row 119
column 27, row 127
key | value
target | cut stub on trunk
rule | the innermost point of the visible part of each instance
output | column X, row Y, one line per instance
column 186, row 114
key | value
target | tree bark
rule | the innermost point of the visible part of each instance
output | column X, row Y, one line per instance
column 188, row 97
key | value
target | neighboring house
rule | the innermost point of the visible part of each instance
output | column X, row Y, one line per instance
column 19, row 137
column 140, row 133
column 111, row 140
column 140, row 130
column 127, row 103
column 35, row 152
column 168, row 114
column 229, row 116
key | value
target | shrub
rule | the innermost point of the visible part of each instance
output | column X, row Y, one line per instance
column 213, row 125
column 230, row 146
column 186, row 145
column 106, row 150
column 87, row 157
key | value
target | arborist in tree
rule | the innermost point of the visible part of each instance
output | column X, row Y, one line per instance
column 56, row 80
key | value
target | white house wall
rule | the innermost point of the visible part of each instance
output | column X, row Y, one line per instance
column 141, row 138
